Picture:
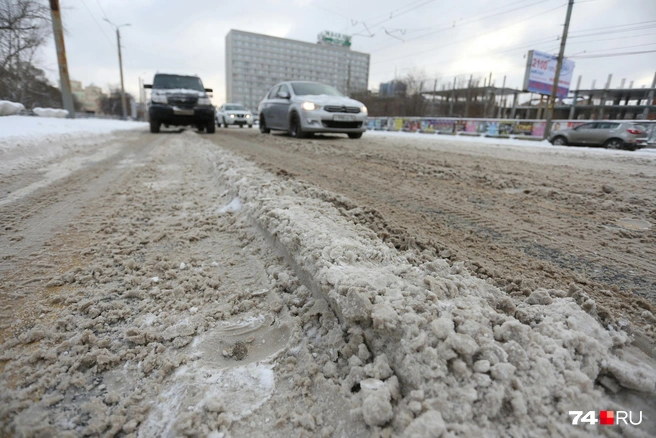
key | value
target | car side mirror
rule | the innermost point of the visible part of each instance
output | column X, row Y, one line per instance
column 209, row 90
column 284, row 94
column 148, row 86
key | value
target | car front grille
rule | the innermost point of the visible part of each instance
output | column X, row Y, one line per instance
column 183, row 102
column 341, row 125
column 342, row 109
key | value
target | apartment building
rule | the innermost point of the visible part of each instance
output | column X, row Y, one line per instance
column 256, row 62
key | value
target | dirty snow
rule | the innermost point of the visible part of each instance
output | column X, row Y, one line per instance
column 202, row 295
column 506, row 143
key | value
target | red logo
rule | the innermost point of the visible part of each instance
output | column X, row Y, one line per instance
column 607, row 417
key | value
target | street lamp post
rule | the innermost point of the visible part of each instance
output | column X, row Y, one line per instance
column 120, row 65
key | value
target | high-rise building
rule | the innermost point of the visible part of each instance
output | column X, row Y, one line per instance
column 255, row 63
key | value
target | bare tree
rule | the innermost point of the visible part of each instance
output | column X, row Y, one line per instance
column 112, row 104
column 24, row 29
column 417, row 82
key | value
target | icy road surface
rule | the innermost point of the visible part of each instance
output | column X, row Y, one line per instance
column 245, row 285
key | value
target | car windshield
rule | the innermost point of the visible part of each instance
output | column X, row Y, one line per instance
column 235, row 108
column 169, row 82
column 314, row 89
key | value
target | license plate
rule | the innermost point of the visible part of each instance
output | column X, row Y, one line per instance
column 343, row 117
column 183, row 112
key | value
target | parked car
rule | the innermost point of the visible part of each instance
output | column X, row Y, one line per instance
column 233, row 114
column 612, row 135
column 303, row 108
column 179, row 100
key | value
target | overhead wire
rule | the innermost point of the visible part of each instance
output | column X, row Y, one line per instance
column 96, row 21
column 610, row 55
column 465, row 22
column 470, row 38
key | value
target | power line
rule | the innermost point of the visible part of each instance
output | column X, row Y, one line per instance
column 96, row 21
column 616, row 31
column 467, row 21
column 613, row 39
column 613, row 27
column 620, row 48
column 471, row 38
column 101, row 9
column 609, row 55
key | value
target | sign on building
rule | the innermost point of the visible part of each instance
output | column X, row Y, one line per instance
column 540, row 72
column 333, row 38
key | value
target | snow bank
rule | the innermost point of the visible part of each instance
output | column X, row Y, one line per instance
column 434, row 349
column 506, row 142
column 30, row 141
column 16, row 128
column 8, row 108
column 51, row 112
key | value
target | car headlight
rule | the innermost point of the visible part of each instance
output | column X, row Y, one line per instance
column 309, row 106
column 159, row 98
column 248, row 116
column 204, row 101
column 364, row 109
column 232, row 116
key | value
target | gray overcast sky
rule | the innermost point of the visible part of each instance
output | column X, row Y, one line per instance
column 442, row 38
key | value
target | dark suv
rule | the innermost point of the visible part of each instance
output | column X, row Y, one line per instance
column 180, row 101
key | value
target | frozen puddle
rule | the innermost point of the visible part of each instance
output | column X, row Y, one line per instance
column 634, row 224
column 230, row 377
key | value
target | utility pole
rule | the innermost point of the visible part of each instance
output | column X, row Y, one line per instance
column 64, row 79
column 559, row 64
column 120, row 65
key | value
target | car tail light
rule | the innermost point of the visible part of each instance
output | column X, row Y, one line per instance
column 634, row 131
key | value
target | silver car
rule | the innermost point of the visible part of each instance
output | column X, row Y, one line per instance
column 303, row 108
column 609, row 134
column 233, row 114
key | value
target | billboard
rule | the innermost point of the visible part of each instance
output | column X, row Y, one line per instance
column 540, row 72
column 334, row 38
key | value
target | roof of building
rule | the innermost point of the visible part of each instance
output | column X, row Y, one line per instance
column 322, row 46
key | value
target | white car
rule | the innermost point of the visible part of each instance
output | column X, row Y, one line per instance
column 304, row 108
column 233, row 114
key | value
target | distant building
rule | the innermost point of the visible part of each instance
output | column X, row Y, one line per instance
column 393, row 88
column 255, row 63
column 89, row 96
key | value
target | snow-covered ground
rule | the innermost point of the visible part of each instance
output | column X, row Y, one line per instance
column 28, row 141
column 14, row 128
column 505, row 142
column 199, row 294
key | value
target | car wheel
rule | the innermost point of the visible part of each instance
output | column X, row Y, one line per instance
column 263, row 127
column 614, row 143
column 355, row 135
column 559, row 141
column 200, row 128
column 154, row 126
column 250, row 126
column 295, row 129
column 241, row 126
column 210, row 127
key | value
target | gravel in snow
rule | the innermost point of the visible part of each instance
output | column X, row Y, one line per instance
column 208, row 297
